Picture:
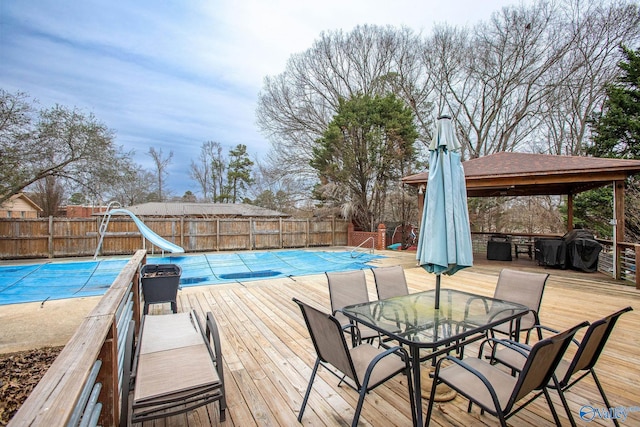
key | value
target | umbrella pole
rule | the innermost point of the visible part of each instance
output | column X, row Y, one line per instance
column 437, row 291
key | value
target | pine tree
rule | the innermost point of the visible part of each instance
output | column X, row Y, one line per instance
column 616, row 130
column 616, row 134
column 238, row 172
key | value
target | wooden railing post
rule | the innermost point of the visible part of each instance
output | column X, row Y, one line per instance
column 137, row 298
column 108, row 377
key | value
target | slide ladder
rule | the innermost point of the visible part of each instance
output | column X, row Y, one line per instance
column 146, row 232
column 104, row 225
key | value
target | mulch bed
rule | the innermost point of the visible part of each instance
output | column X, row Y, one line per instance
column 19, row 374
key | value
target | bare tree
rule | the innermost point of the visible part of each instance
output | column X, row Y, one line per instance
column 530, row 78
column 48, row 193
column 135, row 185
column 526, row 80
column 202, row 170
column 274, row 188
column 598, row 28
column 496, row 76
column 218, row 173
column 161, row 164
column 295, row 107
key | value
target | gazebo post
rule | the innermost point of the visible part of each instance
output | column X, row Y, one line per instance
column 618, row 226
column 569, row 211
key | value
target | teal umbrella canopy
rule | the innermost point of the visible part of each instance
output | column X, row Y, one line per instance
column 444, row 243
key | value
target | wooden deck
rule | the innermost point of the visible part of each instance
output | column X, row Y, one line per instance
column 268, row 355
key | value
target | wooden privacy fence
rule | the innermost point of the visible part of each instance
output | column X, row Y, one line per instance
column 64, row 237
column 88, row 383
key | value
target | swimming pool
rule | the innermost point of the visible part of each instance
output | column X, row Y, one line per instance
column 58, row 280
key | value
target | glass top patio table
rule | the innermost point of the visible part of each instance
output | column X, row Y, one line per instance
column 414, row 321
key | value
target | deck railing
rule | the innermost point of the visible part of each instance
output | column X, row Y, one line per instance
column 87, row 380
column 629, row 255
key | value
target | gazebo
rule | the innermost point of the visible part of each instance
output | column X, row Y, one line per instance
column 524, row 174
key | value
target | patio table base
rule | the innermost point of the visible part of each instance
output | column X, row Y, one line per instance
column 443, row 392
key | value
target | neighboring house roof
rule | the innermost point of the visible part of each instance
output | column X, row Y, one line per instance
column 9, row 204
column 520, row 174
column 226, row 210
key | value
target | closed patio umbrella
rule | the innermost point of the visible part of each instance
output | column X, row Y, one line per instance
column 444, row 243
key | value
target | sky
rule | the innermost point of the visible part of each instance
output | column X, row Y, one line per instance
column 175, row 74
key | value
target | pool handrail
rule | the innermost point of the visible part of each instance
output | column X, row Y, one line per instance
column 373, row 246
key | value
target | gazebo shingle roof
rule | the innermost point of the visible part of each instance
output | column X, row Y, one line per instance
column 518, row 174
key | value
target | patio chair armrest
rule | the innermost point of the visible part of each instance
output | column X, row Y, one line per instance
column 212, row 334
column 472, row 299
column 546, row 328
column 396, row 350
column 554, row 331
column 352, row 328
column 507, row 311
column 521, row 348
column 402, row 352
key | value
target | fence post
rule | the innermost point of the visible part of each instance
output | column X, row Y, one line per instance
column 182, row 231
column 217, row 234
column 252, row 237
column 382, row 237
column 350, row 234
column 50, row 239
column 333, row 231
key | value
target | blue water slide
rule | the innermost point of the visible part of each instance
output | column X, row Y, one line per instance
column 148, row 234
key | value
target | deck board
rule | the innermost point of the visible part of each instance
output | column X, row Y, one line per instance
column 268, row 355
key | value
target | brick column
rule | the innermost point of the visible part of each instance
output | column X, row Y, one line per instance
column 382, row 237
column 350, row 234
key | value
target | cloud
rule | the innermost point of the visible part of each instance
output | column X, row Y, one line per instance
column 175, row 74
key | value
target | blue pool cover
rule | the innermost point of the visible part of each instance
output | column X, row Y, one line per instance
column 59, row 280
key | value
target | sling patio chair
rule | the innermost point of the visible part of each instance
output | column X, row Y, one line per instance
column 365, row 365
column 495, row 390
column 390, row 281
column 521, row 287
column 580, row 365
column 347, row 288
